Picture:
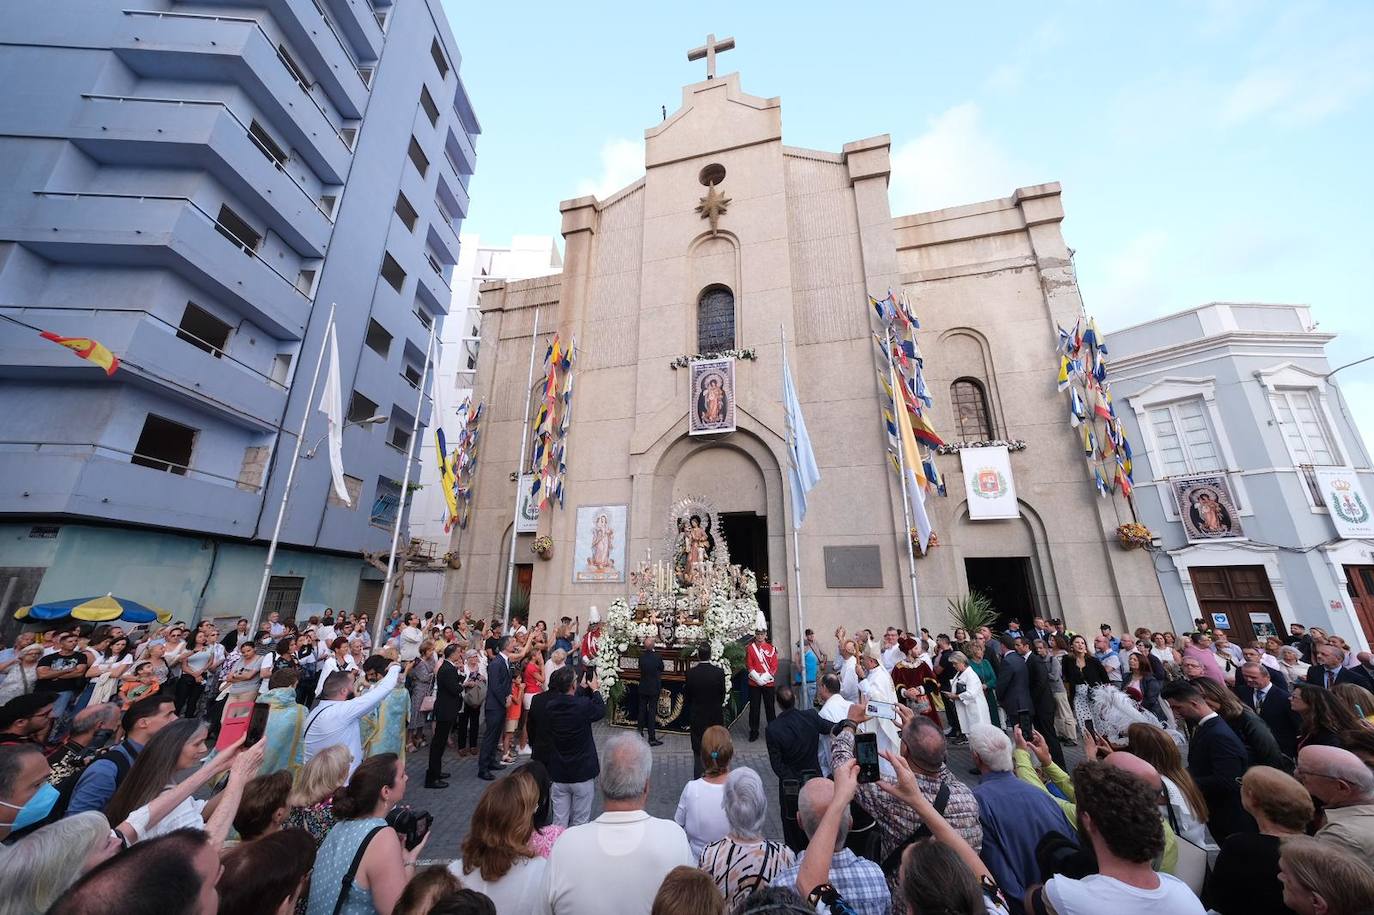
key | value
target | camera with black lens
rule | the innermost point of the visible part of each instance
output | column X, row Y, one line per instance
column 410, row 824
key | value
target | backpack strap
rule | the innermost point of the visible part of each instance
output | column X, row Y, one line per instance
column 347, row 883
column 894, row 859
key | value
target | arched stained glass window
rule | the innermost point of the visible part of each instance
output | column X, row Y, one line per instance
column 971, row 417
column 715, row 320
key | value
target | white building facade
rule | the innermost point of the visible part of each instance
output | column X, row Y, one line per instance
column 1243, row 392
column 526, row 256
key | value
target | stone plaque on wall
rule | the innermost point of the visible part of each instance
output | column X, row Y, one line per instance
column 853, row 567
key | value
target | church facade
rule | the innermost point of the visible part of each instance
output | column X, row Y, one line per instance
column 732, row 237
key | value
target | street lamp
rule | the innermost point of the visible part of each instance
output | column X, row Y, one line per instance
column 370, row 421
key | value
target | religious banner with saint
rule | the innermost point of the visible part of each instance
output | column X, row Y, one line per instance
column 712, row 407
column 599, row 550
column 1344, row 497
column 988, row 483
column 1206, row 507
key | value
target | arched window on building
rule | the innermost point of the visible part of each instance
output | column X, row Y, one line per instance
column 715, row 320
column 971, row 417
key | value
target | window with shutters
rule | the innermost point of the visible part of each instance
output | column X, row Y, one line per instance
column 1304, row 427
column 971, row 415
column 1183, row 439
column 715, row 320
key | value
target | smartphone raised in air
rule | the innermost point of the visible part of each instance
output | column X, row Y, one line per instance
column 1024, row 719
column 885, row 710
column 866, row 753
column 257, row 724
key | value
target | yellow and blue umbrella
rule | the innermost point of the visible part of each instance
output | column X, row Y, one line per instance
column 105, row 609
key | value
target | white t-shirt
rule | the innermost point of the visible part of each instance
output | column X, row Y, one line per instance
column 186, row 814
column 701, row 813
column 1096, row 894
column 517, row 891
column 619, row 858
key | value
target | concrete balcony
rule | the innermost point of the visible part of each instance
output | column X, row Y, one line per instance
column 359, row 26
column 92, row 480
column 321, row 47
column 453, row 196
column 431, row 286
column 168, row 232
column 443, row 237
column 152, row 356
column 208, row 136
column 459, row 149
column 192, row 46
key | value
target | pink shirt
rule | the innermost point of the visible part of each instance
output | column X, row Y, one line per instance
column 541, row 840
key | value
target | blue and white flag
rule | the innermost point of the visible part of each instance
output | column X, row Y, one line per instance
column 802, row 472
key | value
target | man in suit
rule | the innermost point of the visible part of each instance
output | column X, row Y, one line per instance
column 499, row 678
column 1216, row 759
column 705, row 697
column 1272, row 703
column 448, row 701
column 1330, row 669
column 793, row 739
column 1041, row 630
column 1013, row 683
column 1042, row 704
column 650, row 685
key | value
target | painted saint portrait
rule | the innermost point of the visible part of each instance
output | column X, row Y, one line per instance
column 599, row 551
column 712, row 408
column 1207, row 508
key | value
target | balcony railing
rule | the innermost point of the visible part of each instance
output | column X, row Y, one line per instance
column 343, row 46
column 305, row 90
column 77, row 195
column 211, row 349
column 237, row 120
column 143, row 460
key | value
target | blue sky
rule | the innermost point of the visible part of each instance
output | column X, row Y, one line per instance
column 1208, row 151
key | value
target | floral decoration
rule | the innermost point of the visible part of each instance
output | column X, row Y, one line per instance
column 681, row 362
column 542, row 545
column 956, row 447
column 1134, row 534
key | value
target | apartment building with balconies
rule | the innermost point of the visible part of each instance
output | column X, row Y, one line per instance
column 193, row 185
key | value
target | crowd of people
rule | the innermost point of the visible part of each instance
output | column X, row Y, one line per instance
column 181, row 771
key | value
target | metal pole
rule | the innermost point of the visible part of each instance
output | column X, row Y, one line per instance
column 899, row 403
column 520, row 470
column 405, row 491
column 290, row 475
column 796, row 539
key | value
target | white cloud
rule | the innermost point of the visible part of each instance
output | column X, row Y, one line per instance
column 955, row 161
column 1299, row 84
column 1131, row 285
column 622, row 162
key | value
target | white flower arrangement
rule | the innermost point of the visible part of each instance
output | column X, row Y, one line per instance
column 730, row 614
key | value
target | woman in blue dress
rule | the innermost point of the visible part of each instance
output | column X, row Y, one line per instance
column 384, row 864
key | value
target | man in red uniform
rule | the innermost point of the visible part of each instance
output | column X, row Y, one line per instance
column 761, row 659
column 591, row 641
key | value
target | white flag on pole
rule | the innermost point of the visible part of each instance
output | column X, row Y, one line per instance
column 802, row 472
column 331, row 405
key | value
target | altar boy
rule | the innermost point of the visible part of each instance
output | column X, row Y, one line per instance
column 761, row 659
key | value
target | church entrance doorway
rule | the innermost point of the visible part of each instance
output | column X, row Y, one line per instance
column 746, row 535
column 1006, row 581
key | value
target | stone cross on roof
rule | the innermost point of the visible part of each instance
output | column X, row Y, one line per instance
column 709, row 51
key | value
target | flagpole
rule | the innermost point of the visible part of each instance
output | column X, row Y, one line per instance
column 899, row 403
column 290, row 475
column 405, row 491
column 796, row 539
column 520, row 470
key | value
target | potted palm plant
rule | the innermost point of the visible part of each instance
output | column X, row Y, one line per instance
column 972, row 611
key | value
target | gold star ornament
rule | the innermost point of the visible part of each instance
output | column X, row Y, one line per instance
column 713, row 206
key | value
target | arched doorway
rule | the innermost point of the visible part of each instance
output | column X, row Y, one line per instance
column 739, row 478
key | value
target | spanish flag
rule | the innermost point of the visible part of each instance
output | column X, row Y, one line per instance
column 87, row 349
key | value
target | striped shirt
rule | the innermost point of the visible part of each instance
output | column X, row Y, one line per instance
column 739, row 868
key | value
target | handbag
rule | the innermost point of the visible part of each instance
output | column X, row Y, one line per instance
column 427, row 704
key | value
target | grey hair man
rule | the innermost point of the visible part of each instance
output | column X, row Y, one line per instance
column 1345, row 786
column 1014, row 814
column 624, row 854
column 860, row 881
